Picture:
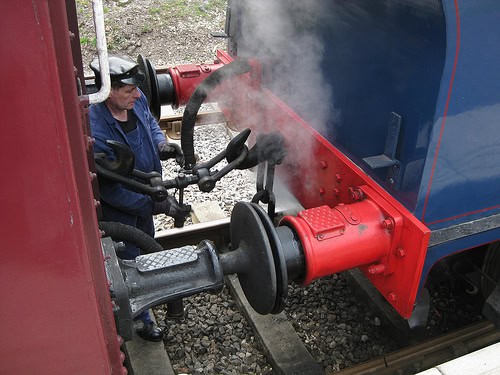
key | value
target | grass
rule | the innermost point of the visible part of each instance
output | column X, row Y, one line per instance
column 146, row 29
column 190, row 8
column 180, row 8
column 88, row 41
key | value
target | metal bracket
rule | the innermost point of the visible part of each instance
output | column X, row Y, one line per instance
column 388, row 158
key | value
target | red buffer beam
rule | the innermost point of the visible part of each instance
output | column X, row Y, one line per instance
column 350, row 221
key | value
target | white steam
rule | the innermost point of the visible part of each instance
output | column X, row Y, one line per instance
column 283, row 35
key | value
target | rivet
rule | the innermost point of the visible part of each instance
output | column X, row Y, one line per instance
column 400, row 252
column 338, row 177
column 321, row 191
column 323, row 164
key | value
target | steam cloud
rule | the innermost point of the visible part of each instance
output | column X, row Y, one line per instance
column 283, row 35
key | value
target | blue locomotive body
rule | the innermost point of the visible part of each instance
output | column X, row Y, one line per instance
column 414, row 100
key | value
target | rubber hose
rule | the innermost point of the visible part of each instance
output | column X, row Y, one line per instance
column 233, row 69
column 123, row 232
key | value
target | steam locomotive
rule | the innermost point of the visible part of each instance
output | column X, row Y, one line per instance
column 388, row 112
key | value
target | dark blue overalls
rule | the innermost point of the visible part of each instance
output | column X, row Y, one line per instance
column 118, row 203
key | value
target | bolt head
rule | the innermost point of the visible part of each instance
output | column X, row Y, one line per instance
column 387, row 224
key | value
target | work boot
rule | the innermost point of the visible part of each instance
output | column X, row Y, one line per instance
column 151, row 332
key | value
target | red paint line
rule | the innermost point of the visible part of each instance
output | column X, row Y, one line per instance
column 464, row 214
column 441, row 131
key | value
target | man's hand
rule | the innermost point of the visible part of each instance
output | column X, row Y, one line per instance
column 171, row 207
column 171, row 151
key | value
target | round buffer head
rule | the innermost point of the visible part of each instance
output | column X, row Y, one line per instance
column 249, row 237
column 279, row 260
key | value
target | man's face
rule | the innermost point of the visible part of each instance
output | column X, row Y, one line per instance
column 124, row 97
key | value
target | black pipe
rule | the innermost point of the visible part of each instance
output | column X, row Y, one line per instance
column 123, row 232
column 233, row 69
column 166, row 89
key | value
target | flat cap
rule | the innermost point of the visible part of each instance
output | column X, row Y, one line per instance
column 121, row 69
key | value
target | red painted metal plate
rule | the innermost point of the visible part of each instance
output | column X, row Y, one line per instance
column 319, row 174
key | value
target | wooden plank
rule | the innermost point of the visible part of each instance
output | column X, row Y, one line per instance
column 172, row 124
column 282, row 345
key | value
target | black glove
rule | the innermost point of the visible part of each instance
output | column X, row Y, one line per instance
column 171, row 151
column 169, row 206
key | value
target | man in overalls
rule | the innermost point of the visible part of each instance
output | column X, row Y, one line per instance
column 125, row 117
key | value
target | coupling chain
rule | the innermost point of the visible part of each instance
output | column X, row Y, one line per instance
column 265, row 193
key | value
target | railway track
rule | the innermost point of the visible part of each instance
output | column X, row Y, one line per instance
column 432, row 352
column 288, row 355
column 282, row 346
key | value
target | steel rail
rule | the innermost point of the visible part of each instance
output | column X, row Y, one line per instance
column 430, row 353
